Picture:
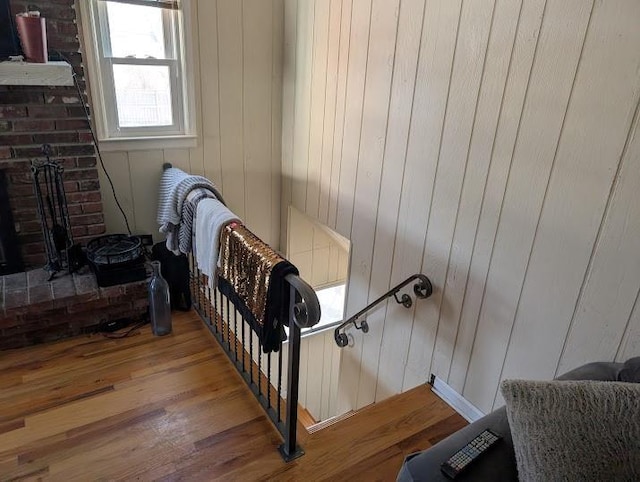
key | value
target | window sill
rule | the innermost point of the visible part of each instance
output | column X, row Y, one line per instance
column 148, row 143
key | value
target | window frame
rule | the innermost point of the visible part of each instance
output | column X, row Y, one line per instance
column 181, row 133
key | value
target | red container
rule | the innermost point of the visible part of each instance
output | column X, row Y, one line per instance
column 33, row 38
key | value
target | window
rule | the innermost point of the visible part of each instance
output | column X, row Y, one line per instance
column 137, row 53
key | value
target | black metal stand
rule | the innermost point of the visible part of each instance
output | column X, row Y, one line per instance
column 53, row 210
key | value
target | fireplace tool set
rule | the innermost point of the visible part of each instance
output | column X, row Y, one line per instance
column 62, row 253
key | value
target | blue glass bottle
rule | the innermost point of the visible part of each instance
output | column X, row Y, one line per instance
column 159, row 302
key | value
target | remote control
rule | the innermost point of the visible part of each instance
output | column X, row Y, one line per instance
column 470, row 452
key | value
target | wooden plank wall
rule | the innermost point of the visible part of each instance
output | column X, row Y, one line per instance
column 319, row 375
column 490, row 144
column 238, row 48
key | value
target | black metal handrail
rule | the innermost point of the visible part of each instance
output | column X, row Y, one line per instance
column 422, row 289
column 235, row 337
column 304, row 312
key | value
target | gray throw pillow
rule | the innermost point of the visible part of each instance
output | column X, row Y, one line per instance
column 574, row 430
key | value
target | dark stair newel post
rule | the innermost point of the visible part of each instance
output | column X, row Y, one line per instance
column 289, row 449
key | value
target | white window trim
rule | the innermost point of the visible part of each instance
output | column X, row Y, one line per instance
column 140, row 138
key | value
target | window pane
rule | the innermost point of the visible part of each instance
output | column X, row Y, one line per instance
column 143, row 95
column 136, row 31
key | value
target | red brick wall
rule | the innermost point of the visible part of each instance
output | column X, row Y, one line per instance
column 31, row 116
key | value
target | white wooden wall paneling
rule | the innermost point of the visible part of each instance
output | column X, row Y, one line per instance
column 315, row 366
column 410, row 21
column 178, row 157
column 536, row 146
column 304, row 374
column 208, row 46
column 319, row 370
column 289, row 85
column 602, row 313
column 630, row 344
column 256, row 101
column 277, row 55
column 341, row 99
column 304, row 67
column 481, row 193
column 498, row 58
column 360, row 38
column 435, row 64
column 628, row 232
column 335, row 378
column 196, row 154
column 330, row 350
column 360, row 30
column 117, row 164
column 145, row 168
column 318, row 105
column 231, row 78
column 384, row 23
column 583, row 172
column 475, row 25
column 503, row 147
column 196, row 163
column 333, row 51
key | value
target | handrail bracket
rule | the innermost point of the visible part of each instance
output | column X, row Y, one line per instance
column 405, row 300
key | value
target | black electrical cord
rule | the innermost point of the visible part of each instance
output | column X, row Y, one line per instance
column 85, row 107
column 95, row 143
column 127, row 333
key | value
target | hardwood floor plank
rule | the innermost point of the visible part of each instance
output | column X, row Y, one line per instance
column 444, row 428
column 175, row 408
column 32, row 408
column 384, row 465
column 87, row 433
column 12, row 425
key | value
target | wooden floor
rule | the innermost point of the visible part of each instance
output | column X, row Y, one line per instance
column 174, row 408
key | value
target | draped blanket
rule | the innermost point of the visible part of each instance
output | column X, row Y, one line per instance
column 174, row 203
column 211, row 217
column 252, row 275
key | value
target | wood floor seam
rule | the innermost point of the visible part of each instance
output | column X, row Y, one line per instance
column 175, row 408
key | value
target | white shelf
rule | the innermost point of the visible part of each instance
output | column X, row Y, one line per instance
column 26, row 73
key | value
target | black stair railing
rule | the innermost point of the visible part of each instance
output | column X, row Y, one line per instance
column 264, row 373
column 422, row 288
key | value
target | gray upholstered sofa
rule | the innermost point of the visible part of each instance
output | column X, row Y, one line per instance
column 499, row 464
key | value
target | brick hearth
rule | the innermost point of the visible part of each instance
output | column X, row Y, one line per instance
column 34, row 310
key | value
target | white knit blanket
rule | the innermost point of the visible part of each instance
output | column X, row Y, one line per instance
column 175, row 185
column 211, row 217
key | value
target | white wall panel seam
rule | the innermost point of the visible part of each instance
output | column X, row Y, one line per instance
column 444, row 118
column 597, row 242
column 544, row 198
column 464, row 174
column 484, row 191
column 395, row 227
column 513, row 150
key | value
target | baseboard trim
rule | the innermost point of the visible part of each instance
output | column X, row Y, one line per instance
column 330, row 421
column 455, row 400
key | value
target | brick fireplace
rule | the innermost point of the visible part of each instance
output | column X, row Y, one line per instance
column 34, row 115
column 32, row 308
